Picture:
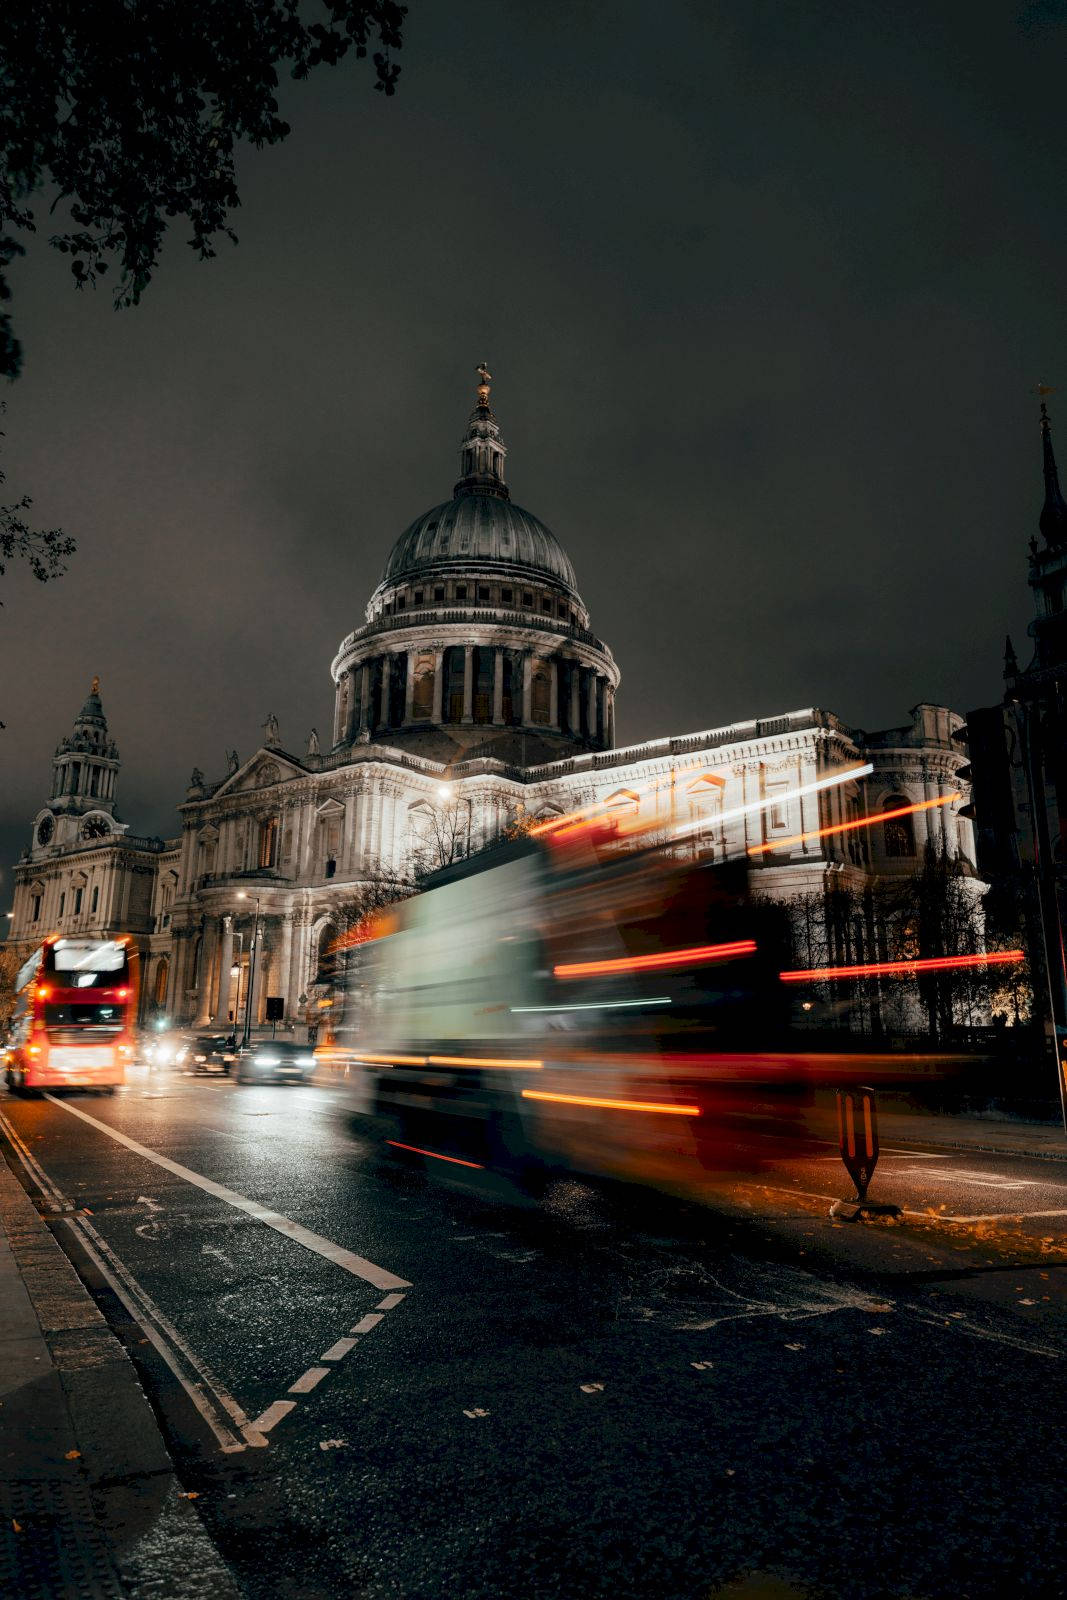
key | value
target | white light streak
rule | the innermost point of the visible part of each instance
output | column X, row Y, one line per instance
column 830, row 782
column 599, row 1005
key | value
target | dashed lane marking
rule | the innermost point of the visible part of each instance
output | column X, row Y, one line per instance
column 274, row 1413
column 337, row 1351
column 307, row 1380
column 346, row 1259
column 365, row 1324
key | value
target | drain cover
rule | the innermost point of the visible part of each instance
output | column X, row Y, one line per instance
column 51, row 1546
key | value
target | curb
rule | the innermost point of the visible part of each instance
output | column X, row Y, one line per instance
column 113, row 1521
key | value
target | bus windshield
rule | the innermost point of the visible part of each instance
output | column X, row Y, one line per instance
column 85, row 963
column 97, row 1018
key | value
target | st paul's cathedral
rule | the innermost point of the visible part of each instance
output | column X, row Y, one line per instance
column 474, row 696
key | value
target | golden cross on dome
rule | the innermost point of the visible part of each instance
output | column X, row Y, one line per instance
column 96, row 685
column 485, row 378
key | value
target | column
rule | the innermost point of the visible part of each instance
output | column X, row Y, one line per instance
column 602, row 708
column 383, row 706
column 364, row 697
column 611, row 718
column 297, row 963
column 285, row 962
column 262, row 968
column 527, row 688
column 178, row 945
column 348, row 732
column 438, row 686
column 498, row 688
column 576, row 678
column 409, row 686
column 205, row 986
column 468, row 683
column 222, row 1004
column 553, row 693
column 590, row 707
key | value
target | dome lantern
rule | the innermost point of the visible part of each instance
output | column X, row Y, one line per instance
column 483, row 450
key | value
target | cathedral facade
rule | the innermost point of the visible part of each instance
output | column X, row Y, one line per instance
column 473, row 698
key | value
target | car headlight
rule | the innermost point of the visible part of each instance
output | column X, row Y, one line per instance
column 200, row 1058
column 305, row 1061
column 266, row 1061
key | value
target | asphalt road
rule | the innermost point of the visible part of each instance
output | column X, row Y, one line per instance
column 380, row 1385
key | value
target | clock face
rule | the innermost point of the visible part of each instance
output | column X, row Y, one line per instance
column 95, row 828
column 46, row 828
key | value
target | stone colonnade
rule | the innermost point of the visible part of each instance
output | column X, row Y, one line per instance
column 204, row 960
column 481, row 684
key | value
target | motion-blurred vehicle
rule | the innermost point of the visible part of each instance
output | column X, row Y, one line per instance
column 169, row 1049
column 211, row 1052
column 560, row 1004
column 73, row 1025
column 276, row 1059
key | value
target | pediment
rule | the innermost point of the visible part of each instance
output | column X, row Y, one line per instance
column 261, row 771
column 330, row 808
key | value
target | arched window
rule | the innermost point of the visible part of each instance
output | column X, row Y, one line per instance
column 326, row 955
column 268, row 842
column 898, row 832
column 159, row 992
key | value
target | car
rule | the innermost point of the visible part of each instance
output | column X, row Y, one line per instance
column 276, row 1059
column 212, row 1052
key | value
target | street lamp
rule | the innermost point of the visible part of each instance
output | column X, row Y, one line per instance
column 250, row 991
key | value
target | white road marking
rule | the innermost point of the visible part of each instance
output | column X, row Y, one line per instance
column 195, row 1377
column 916, row 1155
column 337, row 1351
column 980, row 1180
column 389, row 1302
column 365, row 1324
column 1003, row 1216
column 274, row 1413
column 332, row 1444
column 346, row 1259
column 307, row 1380
column 477, row 1412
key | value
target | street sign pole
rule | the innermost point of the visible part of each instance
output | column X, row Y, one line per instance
column 857, row 1135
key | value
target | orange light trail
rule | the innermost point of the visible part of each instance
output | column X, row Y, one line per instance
column 436, row 1154
column 847, row 827
column 903, row 969
column 518, row 1063
column 484, row 1061
column 611, row 1105
column 655, row 963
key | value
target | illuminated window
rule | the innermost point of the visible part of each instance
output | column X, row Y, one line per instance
column 898, row 832
column 268, row 842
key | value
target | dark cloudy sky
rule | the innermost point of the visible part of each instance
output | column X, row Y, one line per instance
column 764, row 285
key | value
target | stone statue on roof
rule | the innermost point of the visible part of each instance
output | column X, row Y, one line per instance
column 270, row 731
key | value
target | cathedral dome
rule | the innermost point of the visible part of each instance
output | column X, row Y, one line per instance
column 481, row 530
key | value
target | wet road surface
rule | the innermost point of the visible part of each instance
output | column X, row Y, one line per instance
column 380, row 1385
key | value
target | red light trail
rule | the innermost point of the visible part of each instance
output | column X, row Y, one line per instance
column 903, row 969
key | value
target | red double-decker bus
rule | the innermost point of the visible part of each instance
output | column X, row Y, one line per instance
column 75, row 1009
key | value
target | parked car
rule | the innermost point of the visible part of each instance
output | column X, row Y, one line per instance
column 212, row 1052
column 276, row 1059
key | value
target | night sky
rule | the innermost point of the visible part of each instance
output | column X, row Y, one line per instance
column 764, row 286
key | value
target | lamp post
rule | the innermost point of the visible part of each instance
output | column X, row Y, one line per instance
column 251, row 988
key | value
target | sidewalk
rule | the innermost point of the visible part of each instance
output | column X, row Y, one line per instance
column 90, row 1508
column 997, row 1135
